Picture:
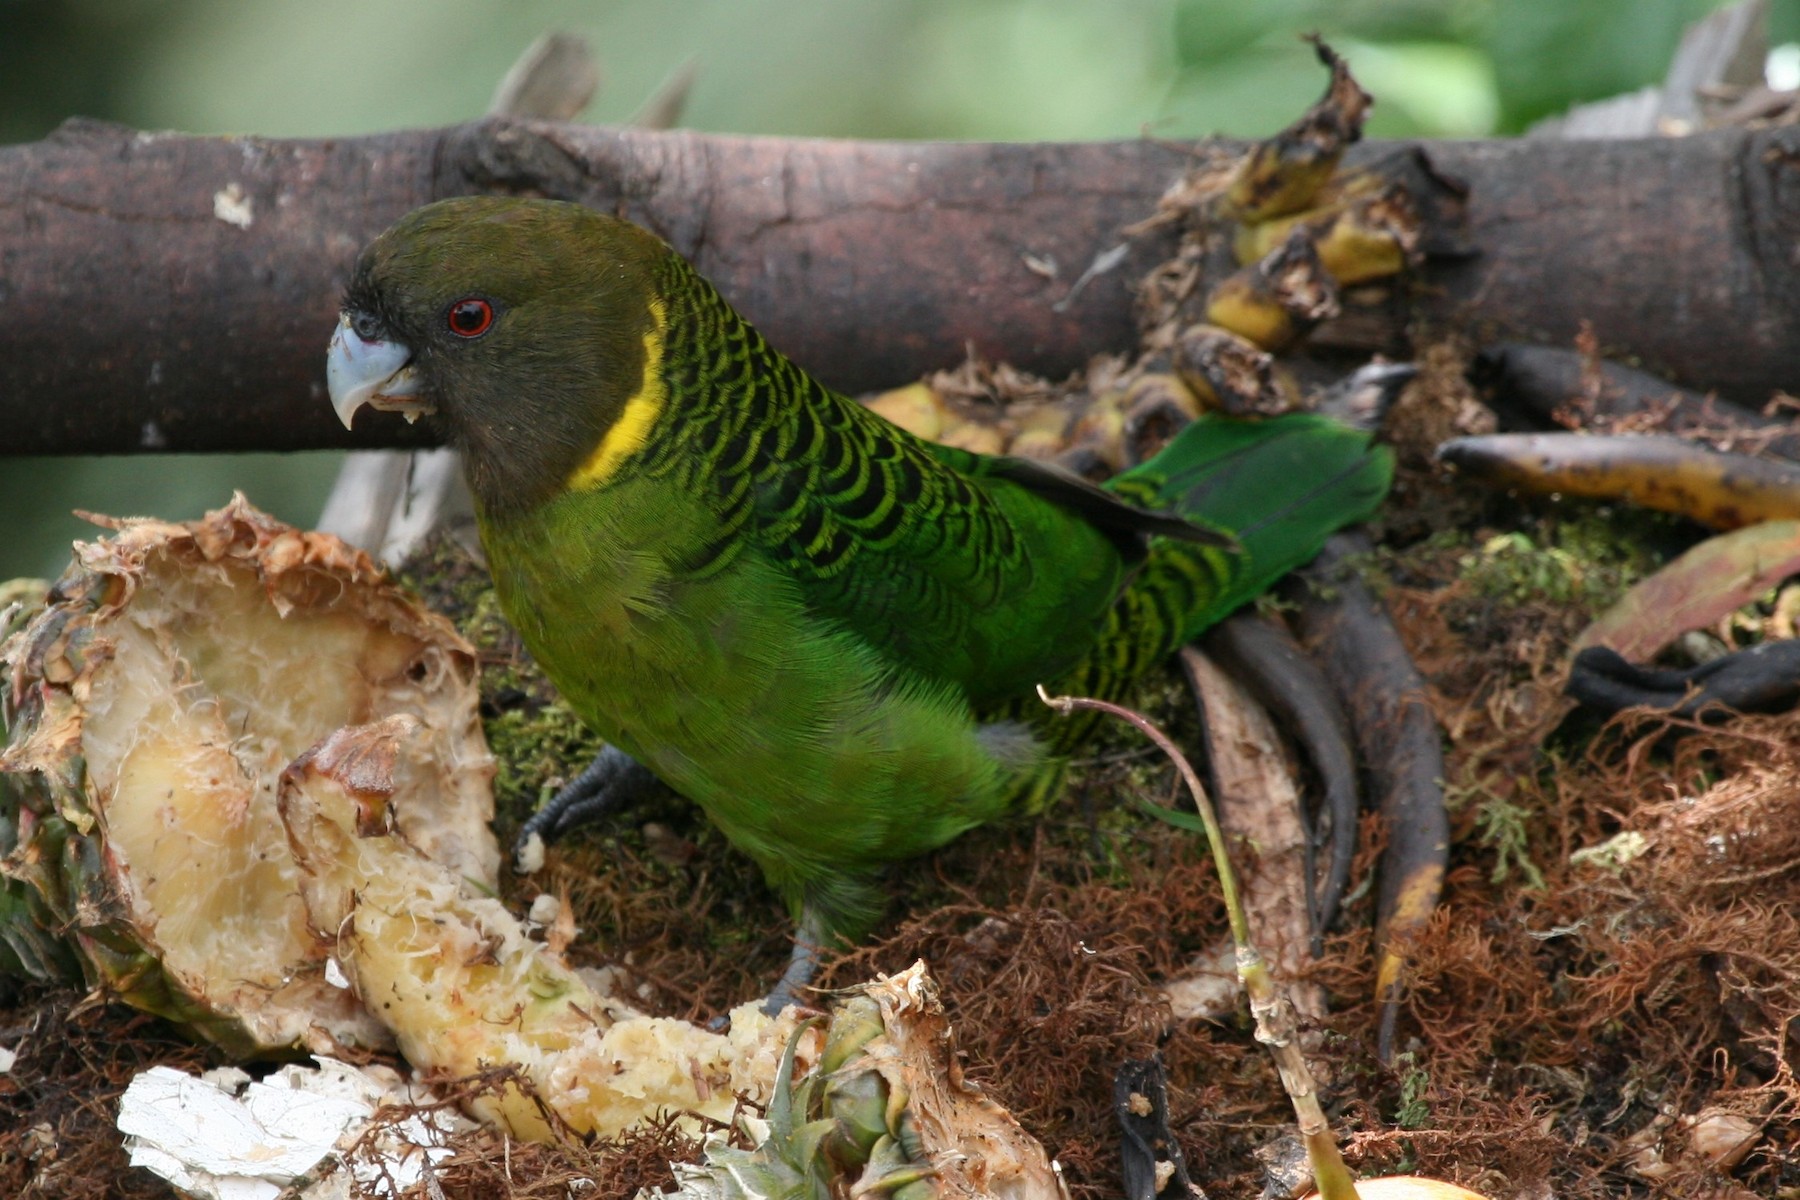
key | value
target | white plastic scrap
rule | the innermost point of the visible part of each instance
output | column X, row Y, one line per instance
column 220, row 1136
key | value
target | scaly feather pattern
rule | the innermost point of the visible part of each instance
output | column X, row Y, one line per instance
column 937, row 556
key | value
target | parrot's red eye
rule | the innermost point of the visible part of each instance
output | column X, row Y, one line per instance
column 470, row 318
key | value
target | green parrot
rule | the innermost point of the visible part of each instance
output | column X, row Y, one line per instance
column 822, row 630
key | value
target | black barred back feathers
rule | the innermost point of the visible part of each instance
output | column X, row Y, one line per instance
column 819, row 481
column 800, row 469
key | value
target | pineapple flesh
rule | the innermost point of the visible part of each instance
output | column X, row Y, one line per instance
column 150, row 711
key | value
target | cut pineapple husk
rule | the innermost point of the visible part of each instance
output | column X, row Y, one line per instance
column 885, row 1111
column 873, row 1103
column 150, row 710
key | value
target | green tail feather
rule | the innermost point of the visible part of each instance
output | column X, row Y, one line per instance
column 1279, row 486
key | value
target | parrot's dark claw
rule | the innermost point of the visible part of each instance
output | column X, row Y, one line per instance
column 613, row 779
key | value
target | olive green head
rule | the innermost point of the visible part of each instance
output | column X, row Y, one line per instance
column 525, row 325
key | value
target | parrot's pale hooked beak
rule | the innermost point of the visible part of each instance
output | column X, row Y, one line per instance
column 378, row 374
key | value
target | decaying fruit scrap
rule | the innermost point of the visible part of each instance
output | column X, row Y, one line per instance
column 150, row 710
column 1660, row 471
column 879, row 1107
column 462, row 984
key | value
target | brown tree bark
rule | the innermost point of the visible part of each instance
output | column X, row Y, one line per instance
column 169, row 292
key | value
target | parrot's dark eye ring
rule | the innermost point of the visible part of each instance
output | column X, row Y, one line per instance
column 469, row 317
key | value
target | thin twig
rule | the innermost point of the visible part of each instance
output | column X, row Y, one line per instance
column 1273, row 1012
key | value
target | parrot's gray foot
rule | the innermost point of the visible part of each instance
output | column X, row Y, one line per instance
column 803, row 964
column 613, row 779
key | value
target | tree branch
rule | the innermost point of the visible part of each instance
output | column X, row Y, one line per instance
column 172, row 292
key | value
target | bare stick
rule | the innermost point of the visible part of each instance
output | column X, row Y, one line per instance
column 869, row 262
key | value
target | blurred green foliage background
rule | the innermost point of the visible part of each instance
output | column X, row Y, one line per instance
column 979, row 69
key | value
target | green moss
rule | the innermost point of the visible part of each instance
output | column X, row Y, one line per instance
column 1414, row 1110
column 1585, row 558
column 1505, row 829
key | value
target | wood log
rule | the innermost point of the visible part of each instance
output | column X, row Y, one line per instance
column 164, row 292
